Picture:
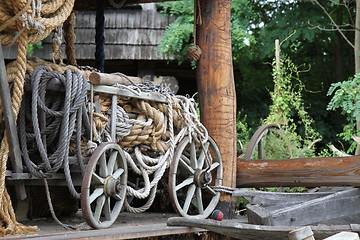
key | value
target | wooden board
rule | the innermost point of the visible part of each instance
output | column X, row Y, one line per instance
column 306, row 172
column 336, row 205
column 239, row 230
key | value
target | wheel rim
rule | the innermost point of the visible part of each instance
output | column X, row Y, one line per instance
column 189, row 184
column 255, row 141
column 103, row 189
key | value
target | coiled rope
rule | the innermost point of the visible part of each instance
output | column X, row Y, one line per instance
column 148, row 132
column 55, row 121
column 23, row 22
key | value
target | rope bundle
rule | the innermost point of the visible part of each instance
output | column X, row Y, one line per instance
column 148, row 132
column 56, row 118
column 23, row 22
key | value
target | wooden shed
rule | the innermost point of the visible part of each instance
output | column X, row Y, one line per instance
column 132, row 38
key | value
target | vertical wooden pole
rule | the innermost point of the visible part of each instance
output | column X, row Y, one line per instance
column 216, row 88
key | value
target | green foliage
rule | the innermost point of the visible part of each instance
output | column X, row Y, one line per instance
column 296, row 135
column 31, row 48
column 243, row 131
column 179, row 35
column 346, row 97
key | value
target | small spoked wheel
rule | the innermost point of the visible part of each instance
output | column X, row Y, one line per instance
column 191, row 177
column 258, row 141
column 103, row 189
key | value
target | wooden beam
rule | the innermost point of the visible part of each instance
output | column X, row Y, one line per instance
column 306, row 172
column 215, row 82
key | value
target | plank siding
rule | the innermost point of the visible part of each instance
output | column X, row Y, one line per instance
column 130, row 34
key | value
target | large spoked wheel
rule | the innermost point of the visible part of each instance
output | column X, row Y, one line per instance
column 258, row 141
column 103, row 189
column 192, row 176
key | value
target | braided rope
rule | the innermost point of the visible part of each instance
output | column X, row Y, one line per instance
column 10, row 225
column 53, row 121
column 70, row 39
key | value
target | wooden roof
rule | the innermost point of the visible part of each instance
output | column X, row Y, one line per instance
column 130, row 34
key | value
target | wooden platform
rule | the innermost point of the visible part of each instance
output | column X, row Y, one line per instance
column 128, row 226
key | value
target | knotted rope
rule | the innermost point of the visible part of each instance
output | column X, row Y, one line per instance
column 23, row 22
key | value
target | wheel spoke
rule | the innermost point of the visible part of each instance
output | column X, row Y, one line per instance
column 189, row 196
column 185, row 159
column 117, row 173
column 193, row 162
column 96, row 193
column 186, row 182
column 214, row 165
column 96, row 179
column 117, row 197
column 106, row 209
column 103, row 168
column 112, row 162
column 211, row 190
column 186, row 166
column 199, row 200
column 99, row 206
column 202, row 155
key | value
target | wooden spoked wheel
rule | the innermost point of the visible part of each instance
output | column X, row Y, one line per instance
column 103, row 189
column 256, row 144
column 191, row 177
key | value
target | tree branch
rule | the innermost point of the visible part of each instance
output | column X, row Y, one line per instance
column 334, row 23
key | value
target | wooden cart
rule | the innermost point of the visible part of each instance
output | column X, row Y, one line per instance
column 192, row 172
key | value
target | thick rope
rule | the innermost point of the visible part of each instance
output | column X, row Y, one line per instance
column 7, row 215
column 53, row 119
column 70, row 39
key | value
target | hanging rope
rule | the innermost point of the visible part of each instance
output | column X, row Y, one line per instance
column 194, row 52
column 23, row 22
column 70, row 39
column 99, row 35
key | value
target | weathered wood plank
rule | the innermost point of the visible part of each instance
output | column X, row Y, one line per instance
column 118, row 19
column 112, row 52
column 336, row 205
column 307, row 172
column 344, row 236
column 273, row 200
column 236, row 229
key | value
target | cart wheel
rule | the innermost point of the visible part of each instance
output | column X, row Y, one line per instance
column 190, row 181
column 256, row 142
column 103, row 189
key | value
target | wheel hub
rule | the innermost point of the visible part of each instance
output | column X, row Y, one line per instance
column 202, row 178
column 112, row 186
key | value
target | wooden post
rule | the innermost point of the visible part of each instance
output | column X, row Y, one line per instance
column 216, row 88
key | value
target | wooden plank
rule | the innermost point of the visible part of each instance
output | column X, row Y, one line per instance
column 11, row 129
column 273, row 200
column 336, row 205
column 129, row 232
column 304, row 233
column 333, row 206
column 307, row 172
column 344, row 236
column 239, row 230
